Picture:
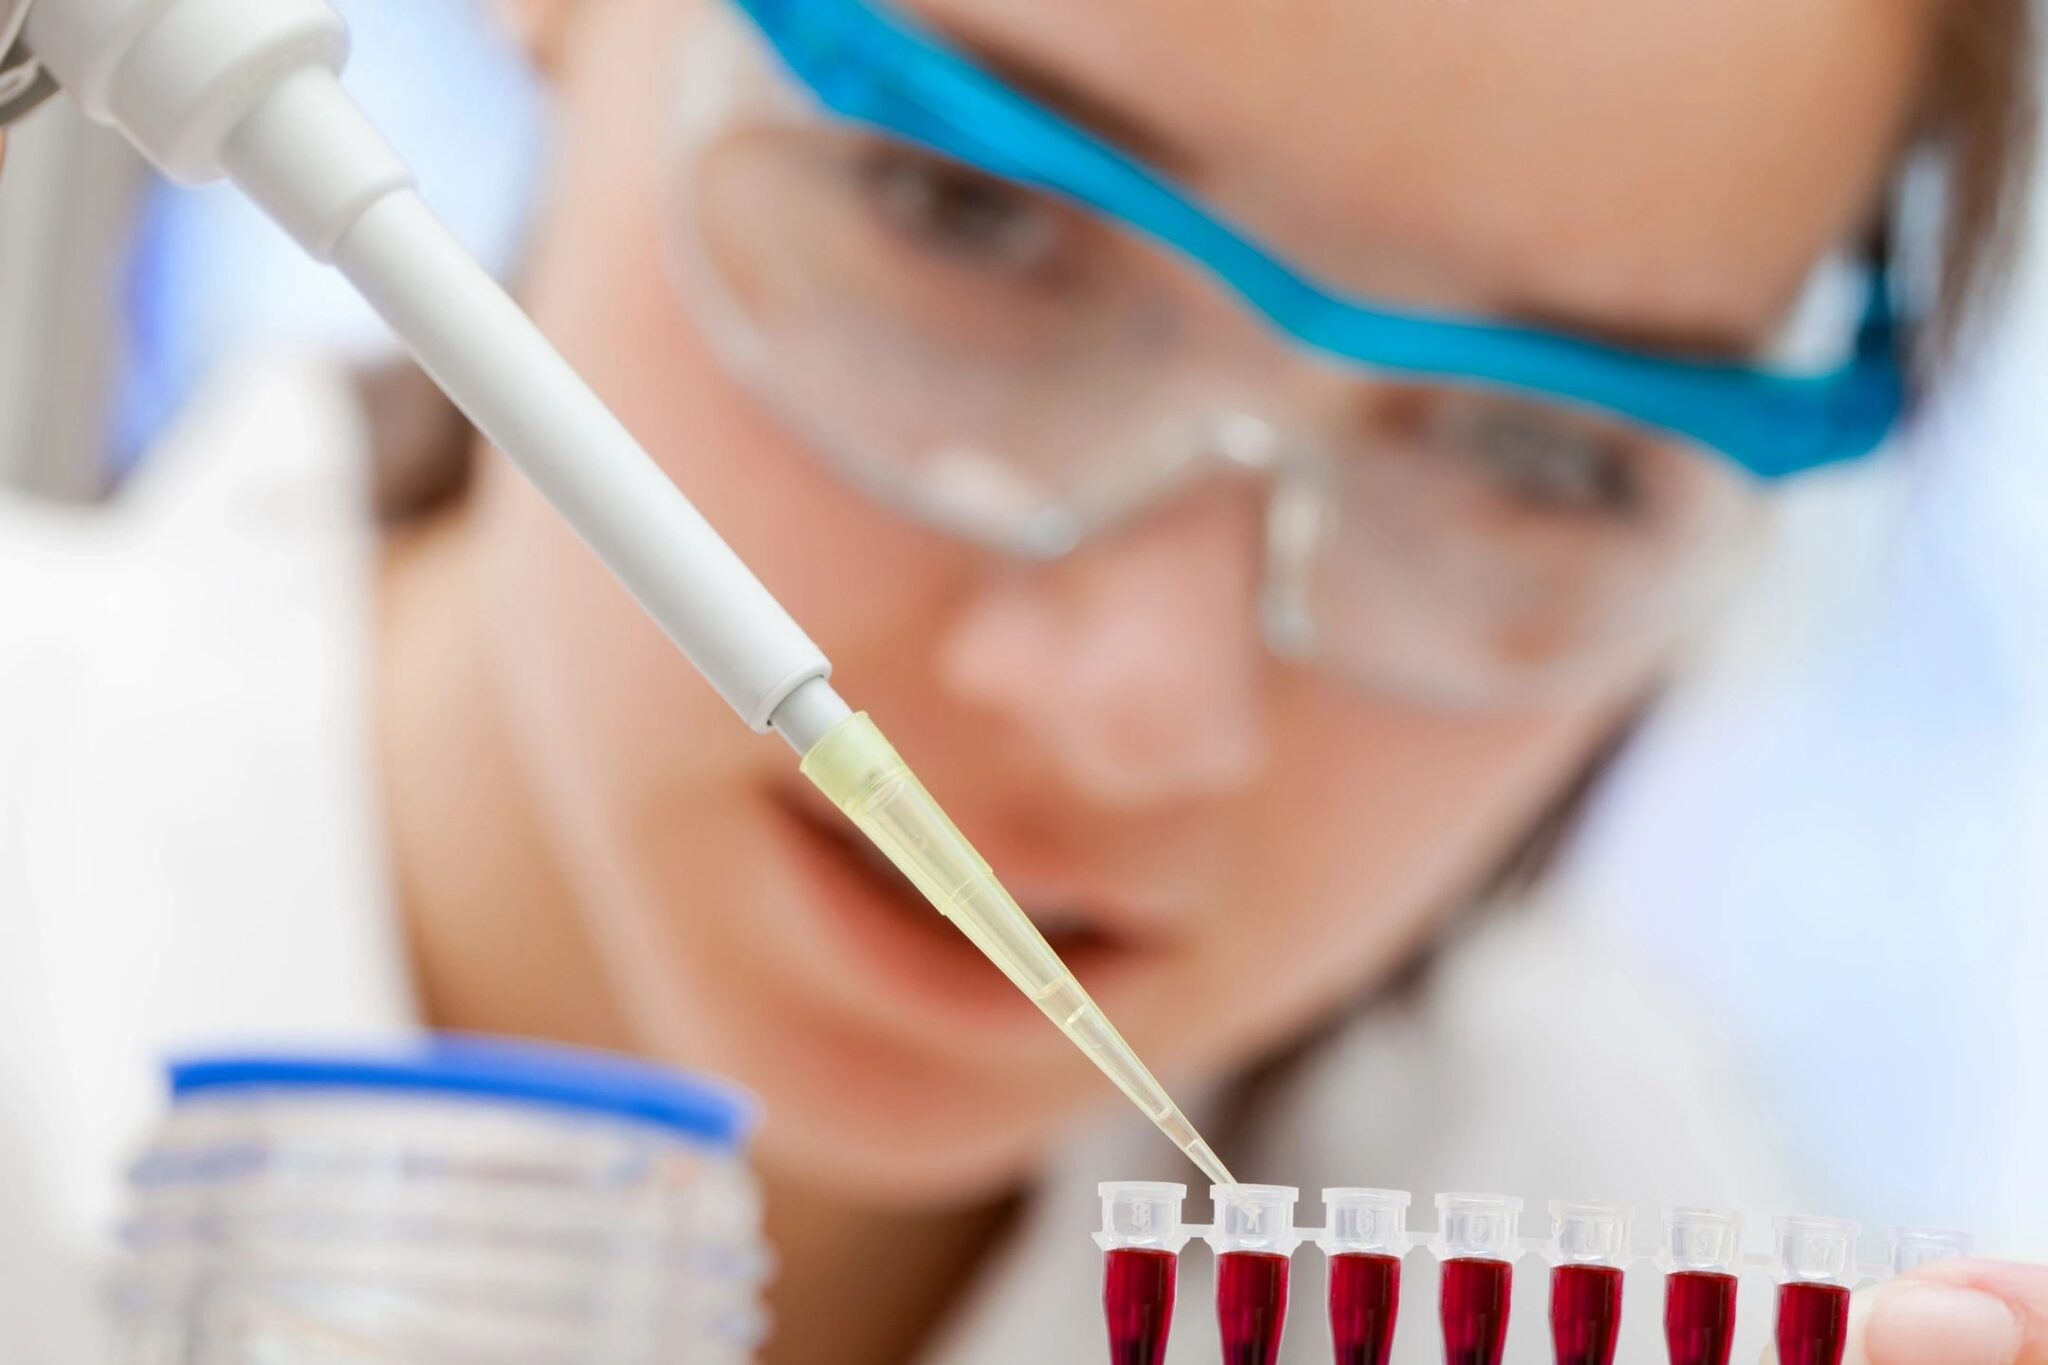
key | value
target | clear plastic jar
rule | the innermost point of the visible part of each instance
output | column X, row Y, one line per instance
column 455, row 1203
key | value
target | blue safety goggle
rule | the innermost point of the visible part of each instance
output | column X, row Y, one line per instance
column 875, row 67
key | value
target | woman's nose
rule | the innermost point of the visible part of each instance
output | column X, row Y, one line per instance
column 1133, row 664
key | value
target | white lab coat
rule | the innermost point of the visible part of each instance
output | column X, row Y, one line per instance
column 189, row 854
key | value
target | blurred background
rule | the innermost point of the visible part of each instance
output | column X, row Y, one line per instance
column 1836, row 835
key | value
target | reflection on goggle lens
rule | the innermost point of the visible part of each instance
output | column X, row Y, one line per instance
column 1008, row 366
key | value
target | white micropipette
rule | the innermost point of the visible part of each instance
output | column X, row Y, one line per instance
column 248, row 89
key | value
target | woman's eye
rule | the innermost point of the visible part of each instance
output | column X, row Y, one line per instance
column 1543, row 459
column 974, row 218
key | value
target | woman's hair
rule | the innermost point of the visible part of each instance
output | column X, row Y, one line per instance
column 1979, row 113
column 1982, row 114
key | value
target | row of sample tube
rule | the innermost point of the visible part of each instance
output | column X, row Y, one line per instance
column 1366, row 1239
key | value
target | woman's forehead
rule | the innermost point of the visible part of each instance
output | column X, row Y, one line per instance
column 1561, row 156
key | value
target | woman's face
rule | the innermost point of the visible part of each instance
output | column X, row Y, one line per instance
column 1224, row 845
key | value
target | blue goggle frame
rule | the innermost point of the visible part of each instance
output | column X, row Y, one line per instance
column 874, row 67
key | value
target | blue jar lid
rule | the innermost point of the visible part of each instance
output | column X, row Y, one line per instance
column 576, row 1080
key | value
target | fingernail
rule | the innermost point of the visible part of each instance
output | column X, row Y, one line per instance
column 1912, row 1321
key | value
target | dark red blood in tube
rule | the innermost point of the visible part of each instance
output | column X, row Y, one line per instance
column 1365, row 1298
column 1251, row 1305
column 1137, row 1301
column 1813, row 1324
column 1474, row 1308
column 1585, row 1313
column 1699, row 1317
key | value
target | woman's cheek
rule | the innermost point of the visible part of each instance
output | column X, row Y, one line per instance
column 849, row 570
column 846, row 568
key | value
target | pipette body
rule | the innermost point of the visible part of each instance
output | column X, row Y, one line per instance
column 248, row 89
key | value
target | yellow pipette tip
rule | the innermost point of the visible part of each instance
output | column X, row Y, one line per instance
column 1206, row 1161
column 862, row 773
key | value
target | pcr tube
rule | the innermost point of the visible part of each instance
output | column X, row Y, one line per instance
column 1915, row 1247
column 1253, row 1238
column 1702, row 1254
column 1365, row 1235
column 1590, row 1246
column 1141, row 1239
column 1479, row 1246
column 1816, row 1265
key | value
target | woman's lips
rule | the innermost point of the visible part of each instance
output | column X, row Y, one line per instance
column 872, row 918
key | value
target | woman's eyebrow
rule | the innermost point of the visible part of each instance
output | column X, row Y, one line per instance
column 1094, row 110
column 1709, row 341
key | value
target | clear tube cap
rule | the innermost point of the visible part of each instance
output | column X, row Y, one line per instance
column 1141, row 1214
column 1254, row 1218
column 1479, row 1226
column 1817, row 1250
column 1590, row 1233
column 1915, row 1247
column 1365, row 1221
column 1702, row 1240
